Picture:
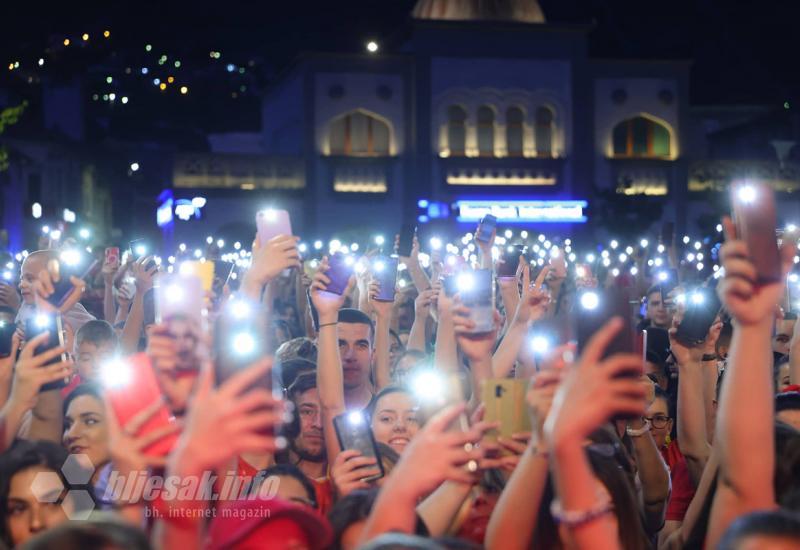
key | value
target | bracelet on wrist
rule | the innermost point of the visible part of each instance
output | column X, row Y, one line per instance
column 710, row 357
column 577, row 518
column 329, row 324
column 640, row 431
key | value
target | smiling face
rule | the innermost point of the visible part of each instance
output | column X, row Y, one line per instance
column 86, row 430
column 395, row 420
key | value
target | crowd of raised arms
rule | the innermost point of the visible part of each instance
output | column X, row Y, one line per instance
column 503, row 399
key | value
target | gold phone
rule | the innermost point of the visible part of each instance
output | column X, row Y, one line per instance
column 505, row 403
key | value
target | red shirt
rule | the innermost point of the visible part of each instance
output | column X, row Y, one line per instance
column 474, row 527
column 682, row 487
column 323, row 489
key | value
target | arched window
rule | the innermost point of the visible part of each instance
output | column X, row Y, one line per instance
column 456, row 130
column 544, row 132
column 359, row 134
column 641, row 137
column 515, row 132
column 485, row 131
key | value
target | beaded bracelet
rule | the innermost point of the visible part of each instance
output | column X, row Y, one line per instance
column 577, row 518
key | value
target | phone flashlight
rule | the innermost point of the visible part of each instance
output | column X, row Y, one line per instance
column 590, row 300
column 116, row 373
column 663, row 276
column 698, row 298
column 243, row 344
column 747, row 194
column 540, row 344
column 465, row 282
column 436, row 243
column 355, row 417
column 580, row 271
column 428, row 386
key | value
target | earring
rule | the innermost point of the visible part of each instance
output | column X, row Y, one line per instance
column 668, row 439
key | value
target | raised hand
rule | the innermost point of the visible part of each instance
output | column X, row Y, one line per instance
column 270, row 259
column 9, row 296
column 32, row 372
column 535, row 297
column 596, row 389
column 144, row 276
column 474, row 346
column 747, row 301
column 326, row 303
column 349, row 470
column 425, row 300
column 43, row 288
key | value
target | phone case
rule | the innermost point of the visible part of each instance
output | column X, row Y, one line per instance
column 271, row 223
column 667, row 233
column 406, row 242
column 508, row 267
column 112, row 254
column 358, row 436
column 387, row 277
column 612, row 302
column 202, row 270
column 63, row 287
column 487, row 224
column 339, row 273
column 699, row 317
column 480, row 300
column 755, row 224
column 141, row 391
column 504, row 399
column 179, row 295
column 53, row 324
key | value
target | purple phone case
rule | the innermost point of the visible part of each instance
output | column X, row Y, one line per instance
column 339, row 273
column 387, row 279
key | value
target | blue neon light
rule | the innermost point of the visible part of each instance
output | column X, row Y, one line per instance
column 521, row 211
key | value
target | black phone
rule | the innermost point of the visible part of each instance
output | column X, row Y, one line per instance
column 353, row 432
column 594, row 308
column 510, row 256
column 7, row 329
column 139, row 249
column 667, row 233
column 702, row 308
column 667, row 281
column 53, row 325
column 754, row 216
column 241, row 337
column 406, row 241
column 485, row 228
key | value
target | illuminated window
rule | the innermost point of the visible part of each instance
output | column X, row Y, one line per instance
column 456, row 130
column 485, row 131
column 544, row 132
column 359, row 134
column 641, row 137
column 515, row 133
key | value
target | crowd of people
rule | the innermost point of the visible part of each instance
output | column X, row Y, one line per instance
column 374, row 417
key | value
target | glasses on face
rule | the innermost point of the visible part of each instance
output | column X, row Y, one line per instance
column 658, row 421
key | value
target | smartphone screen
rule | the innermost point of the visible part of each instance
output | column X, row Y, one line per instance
column 52, row 324
column 406, row 242
column 241, row 337
column 476, row 289
column 339, row 272
column 487, row 224
column 504, row 399
column 754, row 216
column 384, row 269
column 179, row 305
column 112, row 254
column 130, row 385
column 271, row 223
column 353, row 432
column 510, row 256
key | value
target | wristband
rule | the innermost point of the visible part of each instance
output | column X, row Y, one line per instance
column 329, row 324
column 577, row 518
column 709, row 357
column 641, row 431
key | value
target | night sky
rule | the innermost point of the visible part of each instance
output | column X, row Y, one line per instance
column 743, row 51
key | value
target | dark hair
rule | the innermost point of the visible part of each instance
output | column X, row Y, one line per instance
column 356, row 316
column 369, row 410
column 96, row 332
column 297, row 348
column 787, row 401
column 787, row 462
column 396, row 338
column 350, row 509
column 718, row 389
column 775, row 523
column 94, row 533
column 652, row 290
column 87, row 388
column 776, row 369
column 288, row 371
column 22, row 455
column 290, row 470
column 304, row 382
column 725, row 336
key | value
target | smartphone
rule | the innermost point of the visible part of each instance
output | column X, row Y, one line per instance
column 353, row 432
column 178, row 295
column 241, row 337
column 339, row 273
column 594, row 308
column 406, row 241
column 53, row 325
column 504, row 399
column 139, row 248
column 476, row 289
column 149, row 307
column 487, row 224
column 222, row 275
column 754, row 216
column 69, row 263
column 310, row 267
column 667, row 281
column 702, row 308
column 112, row 254
column 384, row 269
column 510, row 256
column 667, row 233
column 7, row 329
column 435, row 391
column 202, row 270
column 130, row 386
column 271, row 223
